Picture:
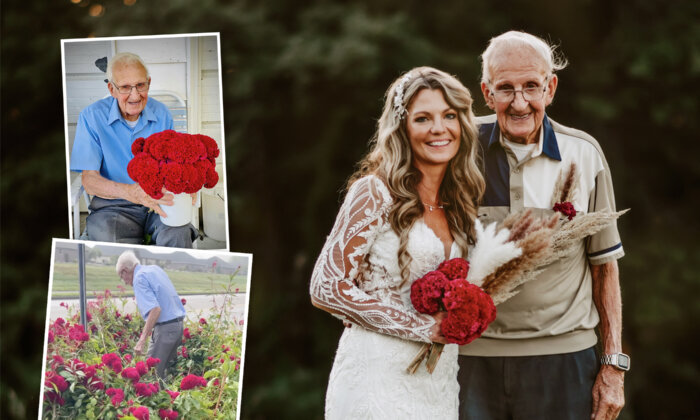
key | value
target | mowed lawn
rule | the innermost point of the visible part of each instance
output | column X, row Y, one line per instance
column 101, row 277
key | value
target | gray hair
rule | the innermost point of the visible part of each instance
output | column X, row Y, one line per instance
column 125, row 58
column 127, row 261
column 553, row 59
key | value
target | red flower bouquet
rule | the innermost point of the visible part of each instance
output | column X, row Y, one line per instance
column 182, row 163
column 469, row 309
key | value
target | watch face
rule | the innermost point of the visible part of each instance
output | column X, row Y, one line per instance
column 623, row 361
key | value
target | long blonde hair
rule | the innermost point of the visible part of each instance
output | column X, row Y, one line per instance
column 391, row 158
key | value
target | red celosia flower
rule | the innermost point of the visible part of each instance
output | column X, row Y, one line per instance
column 152, row 361
column 184, row 301
column 77, row 333
column 456, row 268
column 141, row 368
column 127, row 317
column 131, row 373
column 145, row 390
column 57, row 360
column 186, row 333
column 116, row 394
column 192, row 381
column 427, row 291
column 166, row 413
column 110, row 358
column 53, row 378
column 173, row 394
column 127, row 357
column 95, row 383
column 183, row 352
column 469, row 312
column 210, row 358
column 51, row 336
column 202, row 321
column 54, row 397
column 137, row 146
column 565, row 208
column 141, row 413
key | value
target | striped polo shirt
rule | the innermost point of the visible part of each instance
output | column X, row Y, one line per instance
column 554, row 313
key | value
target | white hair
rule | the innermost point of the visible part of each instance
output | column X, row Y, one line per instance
column 553, row 59
column 127, row 261
column 125, row 58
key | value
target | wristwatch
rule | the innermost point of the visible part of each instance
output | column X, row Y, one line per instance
column 619, row 360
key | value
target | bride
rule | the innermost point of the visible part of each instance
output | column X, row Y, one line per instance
column 410, row 206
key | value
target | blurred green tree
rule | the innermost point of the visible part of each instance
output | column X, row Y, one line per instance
column 302, row 89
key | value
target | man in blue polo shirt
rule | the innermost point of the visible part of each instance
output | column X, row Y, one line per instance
column 537, row 360
column 119, row 211
column 159, row 304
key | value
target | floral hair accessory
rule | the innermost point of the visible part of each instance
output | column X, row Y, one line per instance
column 399, row 108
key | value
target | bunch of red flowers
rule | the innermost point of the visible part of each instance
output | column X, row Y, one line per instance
column 469, row 309
column 179, row 162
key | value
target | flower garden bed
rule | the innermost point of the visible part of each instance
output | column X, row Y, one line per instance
column 96, row 375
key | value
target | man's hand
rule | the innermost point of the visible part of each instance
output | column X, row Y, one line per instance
column 137, row 195
column 138, row 348
column 608, row 393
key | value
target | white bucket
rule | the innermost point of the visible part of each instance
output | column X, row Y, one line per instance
column 180, row 213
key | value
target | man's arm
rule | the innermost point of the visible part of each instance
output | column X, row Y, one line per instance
column 96, row 184
column 608, row 389
column 153, row 315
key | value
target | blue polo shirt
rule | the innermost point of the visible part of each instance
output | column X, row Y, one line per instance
column 152, row 288
column 103, row 138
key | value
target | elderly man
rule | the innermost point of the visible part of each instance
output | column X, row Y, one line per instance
column 537, row 360
column 159, row 304
column 102, row 149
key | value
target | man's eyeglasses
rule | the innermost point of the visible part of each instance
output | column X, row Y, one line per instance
column 140, row 87
column 532, row 93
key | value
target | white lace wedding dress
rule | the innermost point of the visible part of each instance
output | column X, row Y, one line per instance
column 357, row 279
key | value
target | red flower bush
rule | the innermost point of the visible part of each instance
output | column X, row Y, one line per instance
column 565, row 208
column 177, row 161
column 192, row 381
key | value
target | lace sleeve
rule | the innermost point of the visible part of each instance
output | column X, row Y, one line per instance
column 334, row 279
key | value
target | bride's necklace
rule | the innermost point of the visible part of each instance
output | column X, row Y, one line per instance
column 431, row 208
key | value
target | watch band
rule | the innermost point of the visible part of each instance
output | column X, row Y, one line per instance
column 619, row 360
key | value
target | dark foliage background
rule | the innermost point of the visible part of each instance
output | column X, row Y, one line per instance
column 303, row 83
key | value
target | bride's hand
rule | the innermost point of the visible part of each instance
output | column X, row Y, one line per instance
column 435, row 332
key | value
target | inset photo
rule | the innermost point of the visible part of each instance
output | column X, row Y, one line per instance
column 145, row 140
column 144, row 331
